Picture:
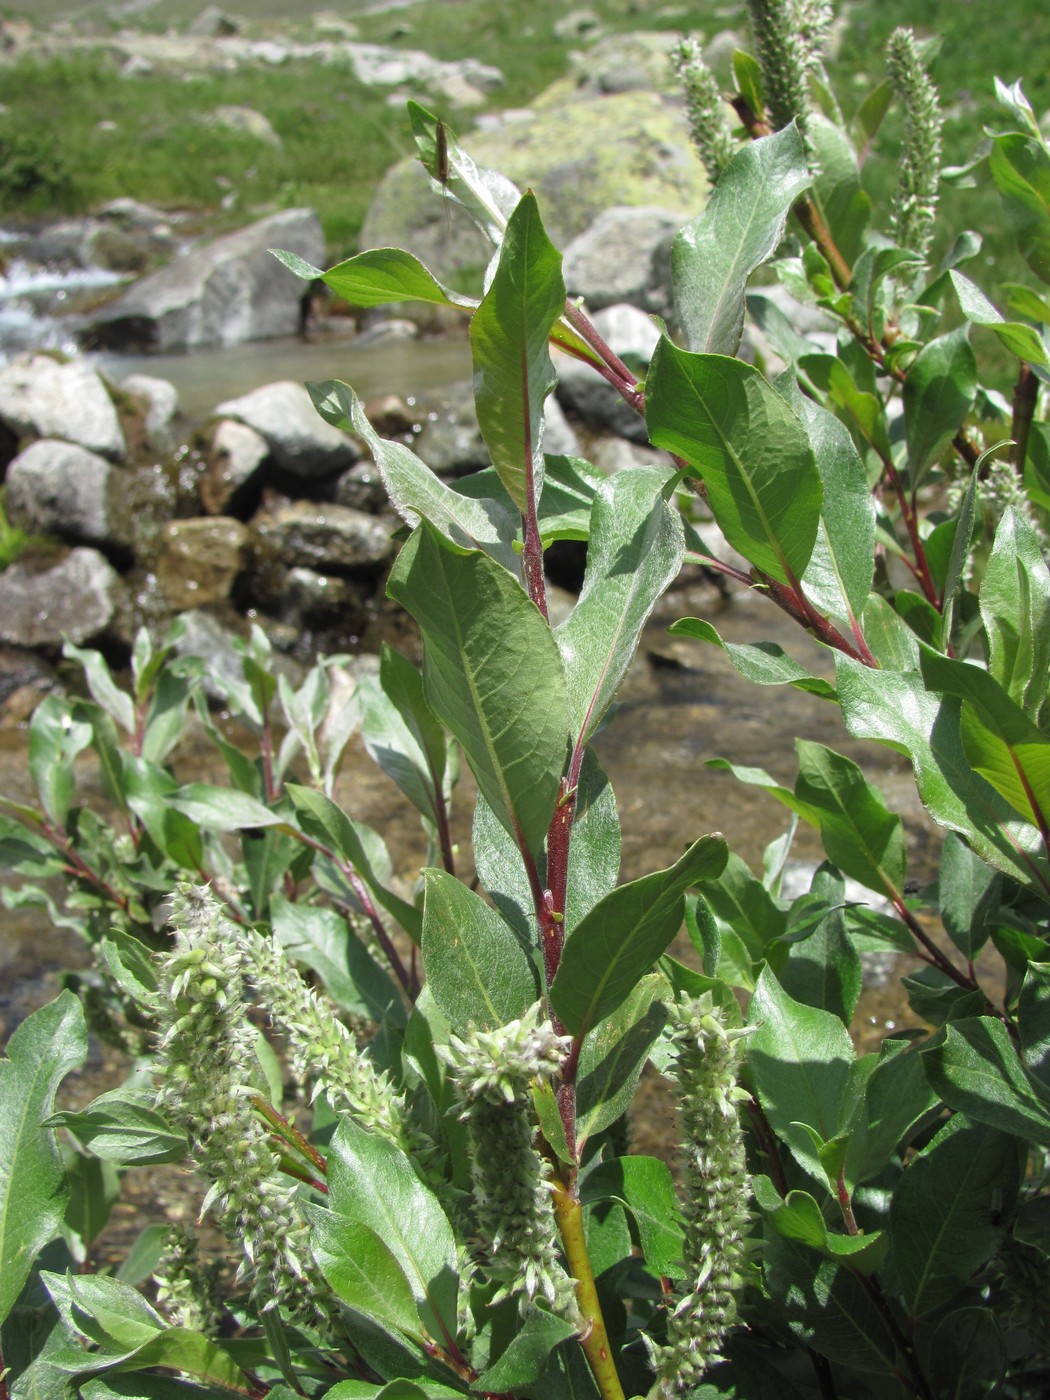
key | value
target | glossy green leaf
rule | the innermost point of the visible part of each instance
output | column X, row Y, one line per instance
column 1033, row 1021
column 42, row 1051
column 975, row 1069
column 122, row 1126
column 634, row 552
column 624, row 934
column 1015, row 609
column 1020, row 167
column 594, row 853
column 401, row 732
column 321, row 817
column 999, row 739
column 947, row 1210
column 800, row 1059
column 509, row 335
column 762, row 663
column 741, row 227
column 747, row 445
column 524, row 1360
column 863, row 412
column 798, row 1217
column 415, row 491
column 837, row 189
column 966, row 1355
column 613, row 1056
column 372, row 1183
column 380, row 276
column 55, row 739
column 747, row 76
column 824, row 970
column 1021, row 340
column 488, row 197
column 362, row 1271
column 645, row 1186
column 117, row 703
column 898, row 1099
column 969, row 896
column 477, row 969
column 938, row 394
column 744, row 905
column 492, row 673
column 222, row 808
column 898, row 710
column 860, row 835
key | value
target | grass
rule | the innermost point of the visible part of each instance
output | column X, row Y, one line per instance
column 338, row 137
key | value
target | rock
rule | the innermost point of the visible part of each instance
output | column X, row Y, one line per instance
column 77, row 599
column 361, row 488
column 245, row 120
column 162, row 405
column 211, row 638
column 42, row 397
column 220, row 293
column 213, row 23
column 578, row 24
column 299, row 439
column 390, row 415
column 633, row 62
column 625, row 256
column 559, row 439
column 58, row 488
column 25, row 679
column 198, row 560
column 633, row 336
column 324, row 537
column 312, row 600
column 396, row 328
column 580, row 158
column 237, row 453
column 615, row 454
column 450, row 442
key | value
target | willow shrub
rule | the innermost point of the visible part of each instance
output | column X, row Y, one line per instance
column 425, row 1190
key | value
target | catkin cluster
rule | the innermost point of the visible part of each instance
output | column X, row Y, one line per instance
column 208, row 1061
column 715, row 1197
column 915, row 201
column 493, row 1072
column 709, row 125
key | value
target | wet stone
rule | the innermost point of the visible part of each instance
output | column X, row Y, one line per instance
column 78, row 598
column 236, row 455
column 199, row 560
column 324, row 537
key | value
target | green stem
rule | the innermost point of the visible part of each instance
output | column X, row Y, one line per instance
column 595, row 1342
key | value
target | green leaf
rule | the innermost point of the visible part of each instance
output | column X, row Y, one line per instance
column 488, row 197
column 824, row 970
column 613, row 1056
column 740, row 229
column 798, row 1217
column 898, row 710
column 837, row 190
column 1033, row 1021
column 635, row 550
column 862, row 412
column 869, row 115
column 1015, row 609
column 860, row 835
column 969, row 896
column 55, row 739
column 1020, row 167
column 749, row 448
column 380, row 276
column 747, row 77
column 744, row 905
column 42, row 1051
column 966, row 1355
column 594, row 853
column 624, row 934
column 762, row 663
column 415, row 491
column 323, row 940
column 509, row 335
column 975, row 1069
column 122, row 1126
column 523, row 1361
column 944, row 1208
column 800, row 1058
column 401, row 732
column 898, row 1098
column 362, row 1270
column 1021, row 340
column 371, row 1182
column 645, row 1186
column 938, row 394
column 222, row 809
column 999, row 739
column 492, row 673
column 117, row 703
column 319, row 815
column 477, row 969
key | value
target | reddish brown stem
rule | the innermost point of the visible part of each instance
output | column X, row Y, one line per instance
column 1026, row 391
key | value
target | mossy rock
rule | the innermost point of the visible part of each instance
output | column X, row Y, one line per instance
column 629, row 148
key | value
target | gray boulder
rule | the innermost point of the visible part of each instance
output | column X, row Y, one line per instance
column 237, row 453
column 299, row 439
column 224, row 292
column 625, row 256
column 78, row 598
column 42, row 397
column 61, row 489
column 450, row 442
column 199, row 560
column 323, row 537
column 161, row 401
